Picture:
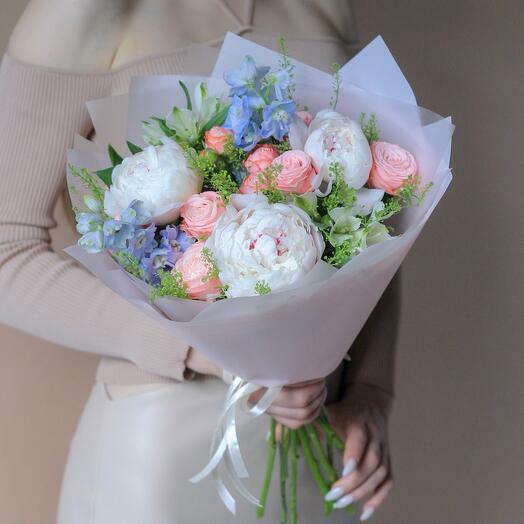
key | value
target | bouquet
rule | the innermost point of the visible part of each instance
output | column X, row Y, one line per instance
column 251, row 213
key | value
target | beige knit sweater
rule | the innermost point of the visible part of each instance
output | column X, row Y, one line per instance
column 42, row 293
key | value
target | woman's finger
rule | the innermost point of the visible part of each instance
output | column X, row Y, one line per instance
column 365, row 489
column 295, row 397
column 356, row 443
column 307, row 413
column 378, row 498
column 345, row 486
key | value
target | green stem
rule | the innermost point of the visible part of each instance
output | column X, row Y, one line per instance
column 313, row 467
column 320, row 455
column 329, row 448
column 329, row 431
column 269, row 468
column 294, row 475
column 283, row 449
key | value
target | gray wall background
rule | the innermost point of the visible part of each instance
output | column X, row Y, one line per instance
column 459, row 418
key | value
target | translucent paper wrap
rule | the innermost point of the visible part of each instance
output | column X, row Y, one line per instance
column 305, row 331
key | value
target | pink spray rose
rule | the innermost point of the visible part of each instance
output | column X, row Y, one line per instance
column 195, row 274
column 305, row 116
column 296, row 173
column 200, row 212
column 216, row 138
column 256, row 163
column 392, row 165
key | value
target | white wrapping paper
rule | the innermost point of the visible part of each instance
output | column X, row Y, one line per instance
column 304, row 332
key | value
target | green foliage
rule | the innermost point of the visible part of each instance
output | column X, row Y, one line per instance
column 133, row 148
column 268, row 184
column 216, row 120
column 130, row 263
column 216, row 177
column 114, row 157
column 89, row 182
column 171, row 285
column 344, row 252
column 262, row 288
column 369, row 127
column 223, row 291
column 284, row 146
column 106, row 175
column 410, row 192
column 341, row 194
column 234, row 155
column 286, row 64
column 170, row 133
column 335, row 68
column 210, row 263
column 309, row 206
column 187, row 95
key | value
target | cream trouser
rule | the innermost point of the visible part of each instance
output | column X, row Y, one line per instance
column 132, row 456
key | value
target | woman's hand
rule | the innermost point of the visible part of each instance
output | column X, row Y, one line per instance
column 297, row 404
column 200, row 364
column 361, row 418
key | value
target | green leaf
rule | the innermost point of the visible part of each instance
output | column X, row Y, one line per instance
column 133, row 148
column 115, row 158
column 187, row 95
column 309, row 205
column 217, row 119
column 164, row 127
column 106, row 175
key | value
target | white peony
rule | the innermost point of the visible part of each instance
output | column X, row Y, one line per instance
column 336, row 138
column 264, row 244
column 159, row 177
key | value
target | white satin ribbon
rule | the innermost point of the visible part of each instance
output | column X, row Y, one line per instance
column 225, row 445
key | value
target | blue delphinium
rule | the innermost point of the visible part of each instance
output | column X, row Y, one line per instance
column 238, row 117
column 142, row 242
column 279, row 83
column 87, row 222
column 135, row 214
column 101, row 232
column 247, row 78
column 154, row 262
column 117, row 234
column 262, row 103
column 277, row 118
column 175, row 241
column 92, row 242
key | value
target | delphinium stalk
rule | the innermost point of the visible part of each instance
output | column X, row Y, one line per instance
column 272, row 445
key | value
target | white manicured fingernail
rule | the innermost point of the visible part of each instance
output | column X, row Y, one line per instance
column 343, row 502
column 349, row 467
column 333, row 494
column 366, row 514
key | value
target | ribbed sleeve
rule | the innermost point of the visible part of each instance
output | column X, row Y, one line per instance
column 40, row 293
